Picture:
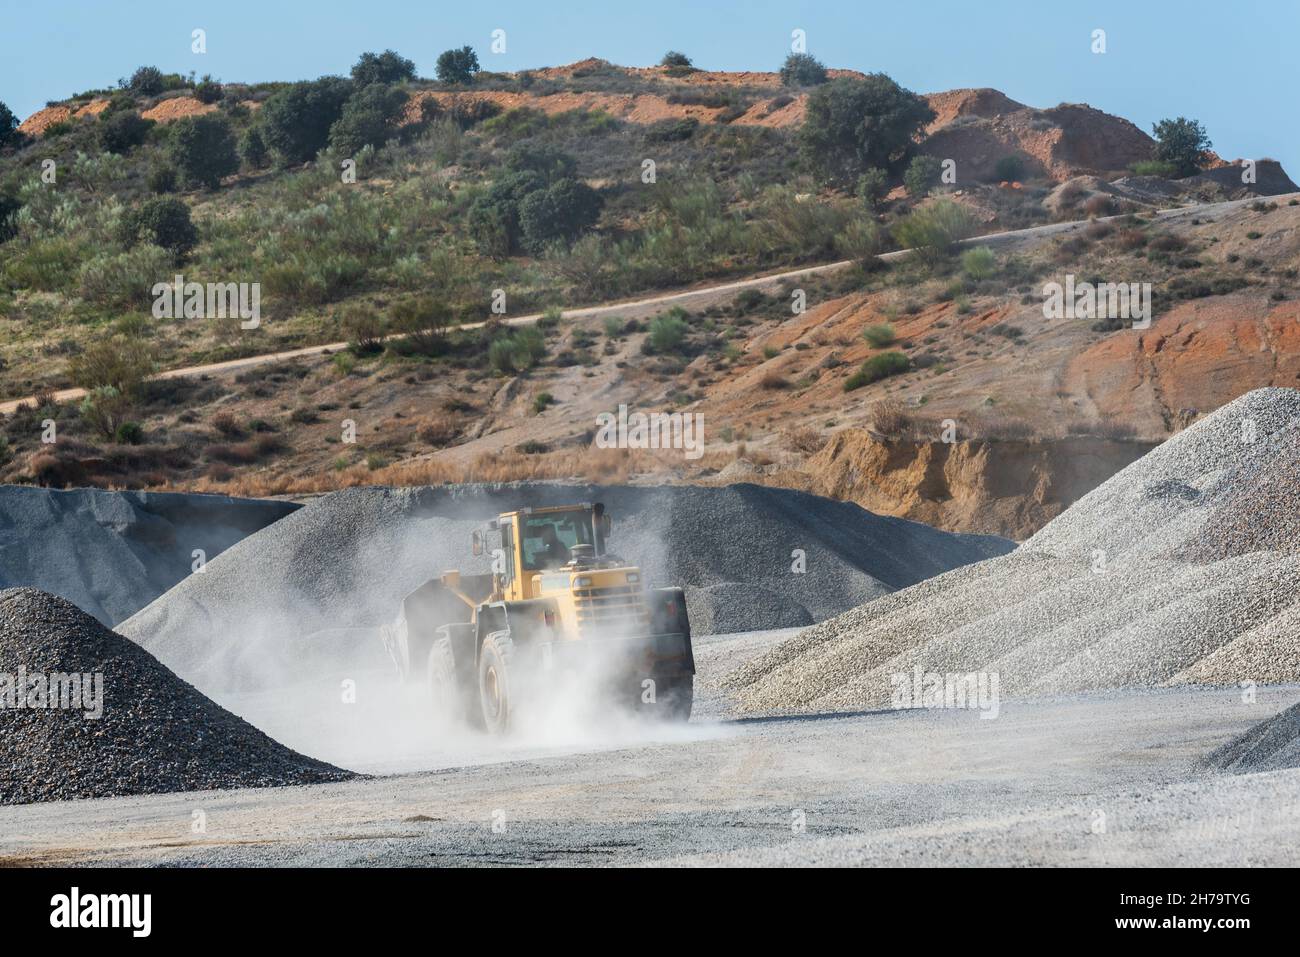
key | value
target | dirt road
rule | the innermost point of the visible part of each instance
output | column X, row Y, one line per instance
column 1091, row 780
column 702, row 294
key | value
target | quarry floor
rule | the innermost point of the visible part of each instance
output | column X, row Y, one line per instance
column 1099, row 779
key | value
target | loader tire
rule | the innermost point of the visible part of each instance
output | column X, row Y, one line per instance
column 674, row 698
column 444, row 691
column 494, row 681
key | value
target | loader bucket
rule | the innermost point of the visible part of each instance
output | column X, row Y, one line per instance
column 423, row 611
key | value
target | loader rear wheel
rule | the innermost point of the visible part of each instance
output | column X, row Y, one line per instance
column 444, row 690
column 494, row 678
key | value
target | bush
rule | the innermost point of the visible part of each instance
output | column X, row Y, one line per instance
column 457, row 66
column 876, row 368
column 561, row 212
column 677, row 59
column 872, row 187
column 1181, row 143
column 367, row 119
column 122, row 131
column 922, row 175
column 853, row 125
column 549, row 162
column 517, row 352
column 202, row 148
column 363, row 327
column 252, row 148
column 123, row 280
column 161, row 179
column 129, row 433
column 979, row 263
column 386, row 67
column 932, row 232
column 1009, row 169
column 8, row 214
column 209, row 90
column 862, row 241
column 493, row 218
column 9, row 134
column 880, row 336
column 146, row 81
column 296, row 121
column 1154, row 168
column 424, row 321
column 163, row 222
column 802, row 69
column 668, row 332
column 118, row 363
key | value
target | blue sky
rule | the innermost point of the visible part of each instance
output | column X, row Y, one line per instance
column 1231, row 65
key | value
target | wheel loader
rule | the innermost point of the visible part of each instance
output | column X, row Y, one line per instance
column 557, row 604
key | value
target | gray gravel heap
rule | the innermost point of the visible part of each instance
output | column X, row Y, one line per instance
column 1183, row 567
column 111, row 553
column 347, row 560
column 1271, row 745
column 156, row 733
column 733, row 607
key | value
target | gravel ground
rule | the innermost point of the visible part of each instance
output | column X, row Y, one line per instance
column 1181, row 568
column 346, row 561
column 154, row 732
column 111, row 553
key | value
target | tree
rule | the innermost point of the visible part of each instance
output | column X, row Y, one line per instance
column 562, row 211
column 8, row 127
column 163, row 222
column 677, row 59
column 1181, row 142
column 146, row 81
column 252, row 148
column 122, row 131
column 202, row 148
column 367, row 119
column 458, row 66
column 493, row 218
column 872, row 186
column 851, row 125
column 296, row 121
column 386, row 67
column 922, row 175
column 208, row 90
column 802, row 69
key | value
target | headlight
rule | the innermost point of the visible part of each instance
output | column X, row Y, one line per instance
column 633, row 578
column 582, row 581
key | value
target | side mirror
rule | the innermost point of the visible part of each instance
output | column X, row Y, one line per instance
column 476, row 542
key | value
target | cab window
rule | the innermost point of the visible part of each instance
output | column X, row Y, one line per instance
column 549, row 539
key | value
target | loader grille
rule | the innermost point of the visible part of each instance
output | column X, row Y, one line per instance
column 610, row 611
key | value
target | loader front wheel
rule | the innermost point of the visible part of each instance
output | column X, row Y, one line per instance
column 674, row 698
column 444, row 691
column 494, row 681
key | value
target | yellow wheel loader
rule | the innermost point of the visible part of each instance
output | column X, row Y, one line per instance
column 556, row 605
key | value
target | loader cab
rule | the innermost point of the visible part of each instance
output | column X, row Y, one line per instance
column 532, row 541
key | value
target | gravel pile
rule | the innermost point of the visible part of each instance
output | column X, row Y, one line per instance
column 155, row 733
column 1272, row 745
column 346, row 561
column 1184, row 567
column 111, row 553
column 735, row 607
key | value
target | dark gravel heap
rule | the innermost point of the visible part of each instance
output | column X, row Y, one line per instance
column 347, row 560
column 733, row 606
column 156, row 734
column 1272, row 745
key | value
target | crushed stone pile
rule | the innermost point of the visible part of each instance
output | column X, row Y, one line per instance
column 1182, row 568
column 1272, row 745
column 345, row 561
column 111, row 553
column 734, row 607
column 154, row 732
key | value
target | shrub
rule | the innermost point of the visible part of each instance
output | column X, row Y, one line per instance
column 1009, row 168
column 367, row 119
column 1154, row 168
column 517, row 352
column 675, row 58
column 252, row 148
column 922, row 175
column 164, row 222
column 879, row 336
column 549, row 162
column 104, row 409
column 202, row 148
column 493, row 219
column 123, row 280
column 146, row 81
column 876, row 368
column 802, row 69
column 296, row 121
column 129, row 433
column 1182, row 143
column 9, row 134
column 122, row 131
column 562, row 211
column 541, row 401
column 8, row 217
column 668, row 331
column 872, row 186
column 457, row 66
column 386, row 67
column 424, row 321
column 979, row 263
column 862, row 241
column 161, row 179
column 209, row 90
column 118, row 363
column 853, row 125
column 363, row 327
column 932, row 232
